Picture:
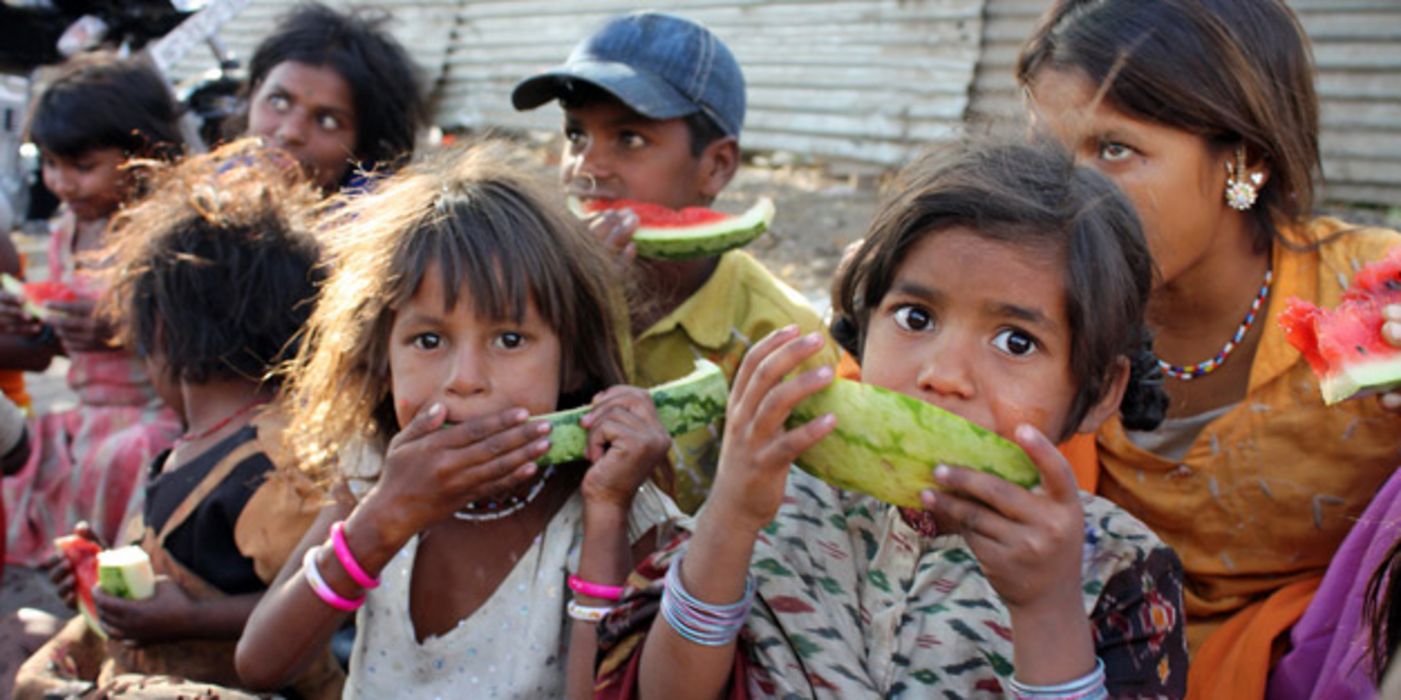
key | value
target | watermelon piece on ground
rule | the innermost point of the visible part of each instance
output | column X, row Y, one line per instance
column 81, row 555
column 1344, row 346
column 36, row 294
column 886, row 444
column 679, row 234
column 695, row 400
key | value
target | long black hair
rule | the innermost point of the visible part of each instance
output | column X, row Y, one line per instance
column 99, row 101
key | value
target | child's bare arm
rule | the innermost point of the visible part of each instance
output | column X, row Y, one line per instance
column 754, row 460
column 626, row 443
column 430, row 471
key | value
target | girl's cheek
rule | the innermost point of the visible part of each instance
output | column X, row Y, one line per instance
column 1007, row 415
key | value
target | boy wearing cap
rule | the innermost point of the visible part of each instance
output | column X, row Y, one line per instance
column 653, row 107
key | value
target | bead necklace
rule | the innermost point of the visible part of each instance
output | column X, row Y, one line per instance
column 492, row 509
column 1189, row 372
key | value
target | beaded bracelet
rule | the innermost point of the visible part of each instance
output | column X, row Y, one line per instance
column 586, row 613
column 347, row 560
column 699, row 622
column 1087, row 687
column 594, row 590
column 323, row 591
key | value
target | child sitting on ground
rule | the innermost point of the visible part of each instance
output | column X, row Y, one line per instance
column 653, row 107
column 1007, row 286
column 212, row 277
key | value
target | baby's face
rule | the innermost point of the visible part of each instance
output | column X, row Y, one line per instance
column 473, row 365
column 976, row 327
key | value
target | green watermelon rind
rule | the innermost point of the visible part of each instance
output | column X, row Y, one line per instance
column 126, row 572
column 1358, row 379
column 701, row 240
column 16, row 287
column 886, row 444
column 683, row 405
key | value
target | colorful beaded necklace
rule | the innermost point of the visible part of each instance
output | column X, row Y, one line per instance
column 1189, row 372
column 493, row 509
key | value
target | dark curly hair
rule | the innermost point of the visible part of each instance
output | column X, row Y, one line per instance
column 1029, row 195
column 389, row 106
column 215, row 270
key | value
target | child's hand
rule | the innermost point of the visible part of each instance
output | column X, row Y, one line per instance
column 1029, row 543
column 757, row 450
column 160, row 618
column 614, row 230
column 61, row 574
column 14, row 319
column 626, row 442
column 432, row 470
column 78, row 327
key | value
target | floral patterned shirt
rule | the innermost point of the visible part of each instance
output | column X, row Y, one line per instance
column 853, row 602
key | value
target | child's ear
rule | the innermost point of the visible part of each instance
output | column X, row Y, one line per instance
column 1108, row 405
column 719, row 162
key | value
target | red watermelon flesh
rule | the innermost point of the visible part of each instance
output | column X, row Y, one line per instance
column 37, row 294
column 656, row 215
column 1344, row 346
column 81, row 554
column 680, row 234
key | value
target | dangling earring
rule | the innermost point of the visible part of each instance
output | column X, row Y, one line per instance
column 1241, row 190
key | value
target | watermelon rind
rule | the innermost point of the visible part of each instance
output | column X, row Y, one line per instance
column 1357, row 379
column 683, row 405
column 126, row 572
column 16, row 287
column 700, row 240
column 886, row 444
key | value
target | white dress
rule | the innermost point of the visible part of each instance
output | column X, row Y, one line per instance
column 513, row 646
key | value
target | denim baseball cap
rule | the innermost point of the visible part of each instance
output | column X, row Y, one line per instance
column 660, row 65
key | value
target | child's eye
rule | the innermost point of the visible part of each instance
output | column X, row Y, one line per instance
column 279, row 103
column 427, row 341
column 510, row 340
column 575, row 136
column 632, row 140
column 1113, row 151
column 1014, row 342
column 913, row 318
column 329, row 122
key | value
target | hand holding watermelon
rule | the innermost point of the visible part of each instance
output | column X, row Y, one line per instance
column 25, row 305
column 163, row 616
column 79, row 327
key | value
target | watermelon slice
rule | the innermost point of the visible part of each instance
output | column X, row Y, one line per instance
column 693, row 232
column 695, row 400
column 126, row 572
column 81, row 554
column 36, row 294
column 1344, row 346
column 886, row 444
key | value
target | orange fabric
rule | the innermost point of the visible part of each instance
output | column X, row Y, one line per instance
column 12, row 384
column 1079, row 449
column 1235, row 660
column 1268, row 490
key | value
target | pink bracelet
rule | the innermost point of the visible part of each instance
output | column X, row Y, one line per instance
column 347, row 560
column 323, row 591
column 594, row 590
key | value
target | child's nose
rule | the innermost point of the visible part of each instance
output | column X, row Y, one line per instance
column 292, row 131
column 944, row 375
column 468, row 374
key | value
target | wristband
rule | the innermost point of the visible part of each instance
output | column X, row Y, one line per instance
column 594, row 590
column 586, row 613
column 347, row 560
column 1087, row 687
column 323, row 591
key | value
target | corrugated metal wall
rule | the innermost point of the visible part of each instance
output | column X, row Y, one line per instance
column 866, row 80
column 1357, row 48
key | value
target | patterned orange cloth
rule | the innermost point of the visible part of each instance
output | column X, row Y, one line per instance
column 1268, row 490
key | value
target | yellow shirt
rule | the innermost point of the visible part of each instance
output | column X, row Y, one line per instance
column 1268, row 490
column 739, row 305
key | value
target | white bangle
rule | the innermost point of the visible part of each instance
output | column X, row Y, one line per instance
column 586, row 613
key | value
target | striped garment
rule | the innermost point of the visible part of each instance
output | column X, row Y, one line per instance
column 88, row 462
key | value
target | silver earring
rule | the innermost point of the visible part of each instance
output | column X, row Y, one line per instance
column 1242, row 190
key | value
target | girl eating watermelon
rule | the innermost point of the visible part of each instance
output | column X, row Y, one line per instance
column 460, row 302
column 87, row 462
column 1007, row 286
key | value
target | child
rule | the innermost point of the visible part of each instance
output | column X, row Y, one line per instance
column 336, row 91
column 212, row 276
column 653, row 106
column 461, row 302
column 1005, row 285
column 87, row 463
